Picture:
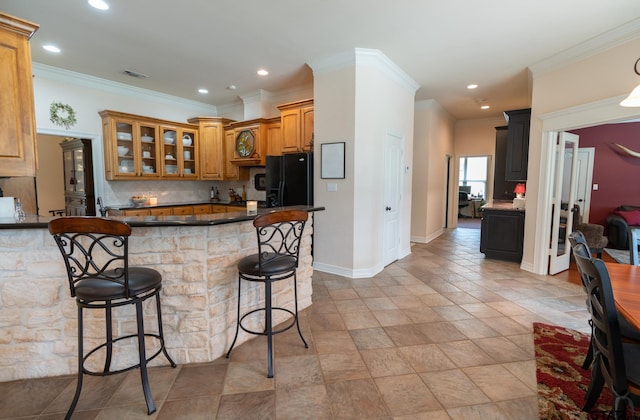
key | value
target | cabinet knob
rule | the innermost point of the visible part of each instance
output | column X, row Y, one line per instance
column 387, row 208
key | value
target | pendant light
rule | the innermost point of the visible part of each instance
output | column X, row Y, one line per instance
column 633, row 100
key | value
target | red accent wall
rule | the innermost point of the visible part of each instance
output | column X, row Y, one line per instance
column 616, row 173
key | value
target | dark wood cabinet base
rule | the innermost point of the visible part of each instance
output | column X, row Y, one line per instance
column 502, row 233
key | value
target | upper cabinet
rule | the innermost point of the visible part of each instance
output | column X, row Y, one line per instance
column 211, row 146
column 517, row 144
column 296, row 126
column 137, row 147
column 17, row 119
column 249, row 141
column 274, row 137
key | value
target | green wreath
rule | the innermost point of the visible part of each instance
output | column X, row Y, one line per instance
column 62, row 115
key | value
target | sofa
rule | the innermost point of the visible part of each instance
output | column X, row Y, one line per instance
column 618, row 223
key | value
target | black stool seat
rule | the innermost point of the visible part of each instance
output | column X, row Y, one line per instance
column 273, row 265
column 279, row 234
column 95, row 251
column 141, row 280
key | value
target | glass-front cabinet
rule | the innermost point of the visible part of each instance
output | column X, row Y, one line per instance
column 179, row 152
column 78, row 178
column 140, row 147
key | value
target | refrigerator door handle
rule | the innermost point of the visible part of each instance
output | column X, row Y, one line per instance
column 281, row 193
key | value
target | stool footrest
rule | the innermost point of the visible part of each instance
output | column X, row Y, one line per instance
column 126, row 369
column 273, row 332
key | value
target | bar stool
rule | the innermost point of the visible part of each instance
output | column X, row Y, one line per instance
column 279, row 234
column 95, row 252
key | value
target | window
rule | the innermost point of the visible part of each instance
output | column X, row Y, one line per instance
column 473, row 173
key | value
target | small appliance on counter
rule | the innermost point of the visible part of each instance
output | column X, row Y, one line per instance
column 289, row 180
column 7, row 207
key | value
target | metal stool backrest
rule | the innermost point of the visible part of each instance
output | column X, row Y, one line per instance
column 606, row 329
column 93, row 247
column 279, row 234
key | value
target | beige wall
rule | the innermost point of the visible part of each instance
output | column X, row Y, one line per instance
column 433, row 142
column 359, row 100
column 579, row 94
column 334, row 121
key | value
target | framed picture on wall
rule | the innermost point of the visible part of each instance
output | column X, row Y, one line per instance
column 332, row 158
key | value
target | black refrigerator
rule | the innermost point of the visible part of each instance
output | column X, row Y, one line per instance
column 289, row 180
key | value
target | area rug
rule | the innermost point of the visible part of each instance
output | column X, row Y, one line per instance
column 562, row 383
column 620, row 255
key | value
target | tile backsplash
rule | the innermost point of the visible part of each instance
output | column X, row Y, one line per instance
column 120, row 192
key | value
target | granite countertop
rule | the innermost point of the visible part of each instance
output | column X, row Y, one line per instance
column 41, row 222
column 505, row 205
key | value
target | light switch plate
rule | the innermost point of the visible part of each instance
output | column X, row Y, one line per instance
column 332, row 187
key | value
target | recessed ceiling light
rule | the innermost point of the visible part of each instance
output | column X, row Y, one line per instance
column 485, row 107
column 263, row 72
column 472, row 86
column 203, row 91
column 51, row 48
column 231, row 87
column 99, row 4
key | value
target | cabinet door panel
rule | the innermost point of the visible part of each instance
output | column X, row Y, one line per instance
column 290, row 130
column 307, row 128
column 183, row 210
column 17, row 118
column 161, row 211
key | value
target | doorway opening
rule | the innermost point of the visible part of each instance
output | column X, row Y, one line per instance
column 472, row 187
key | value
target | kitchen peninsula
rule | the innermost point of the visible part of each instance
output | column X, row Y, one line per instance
column 197, row 256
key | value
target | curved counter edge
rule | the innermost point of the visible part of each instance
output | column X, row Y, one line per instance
column 41, row 222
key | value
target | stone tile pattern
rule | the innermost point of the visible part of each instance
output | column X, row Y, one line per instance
column 38, row 318
column 441, row 334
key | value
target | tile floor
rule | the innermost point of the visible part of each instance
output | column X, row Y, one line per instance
column 442, row 334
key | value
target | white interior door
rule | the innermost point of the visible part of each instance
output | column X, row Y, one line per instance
column 584, row 179
column 564, row 193
column 393, row 166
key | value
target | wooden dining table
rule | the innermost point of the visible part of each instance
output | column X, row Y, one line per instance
column 625, row 282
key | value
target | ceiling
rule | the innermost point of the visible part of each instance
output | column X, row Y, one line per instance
column 444, row 45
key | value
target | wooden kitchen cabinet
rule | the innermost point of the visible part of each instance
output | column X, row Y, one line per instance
column 296, row 124
column 183, row 210
column 517, row 144
column 131, row 146
column 179, row 157
column 79, row 194
column 18, row 155
column 211, row 147
column 202, row 209
column 232, row 171
column 245, row 153
column 274, row 137
column 148, row 142
column 161, row 211
column 218, row 208
column 134, row 212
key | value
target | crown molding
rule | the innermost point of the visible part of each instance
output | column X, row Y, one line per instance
column 366, row 57
column 92, row 82
column 618, row 36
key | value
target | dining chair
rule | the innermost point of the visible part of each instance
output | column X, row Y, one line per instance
column 95, row 251
column 615, row 362
column 279, row 235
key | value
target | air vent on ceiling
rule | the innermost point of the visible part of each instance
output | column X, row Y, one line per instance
column 135, row 74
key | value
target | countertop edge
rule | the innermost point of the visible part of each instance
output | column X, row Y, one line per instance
column 212, row 219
